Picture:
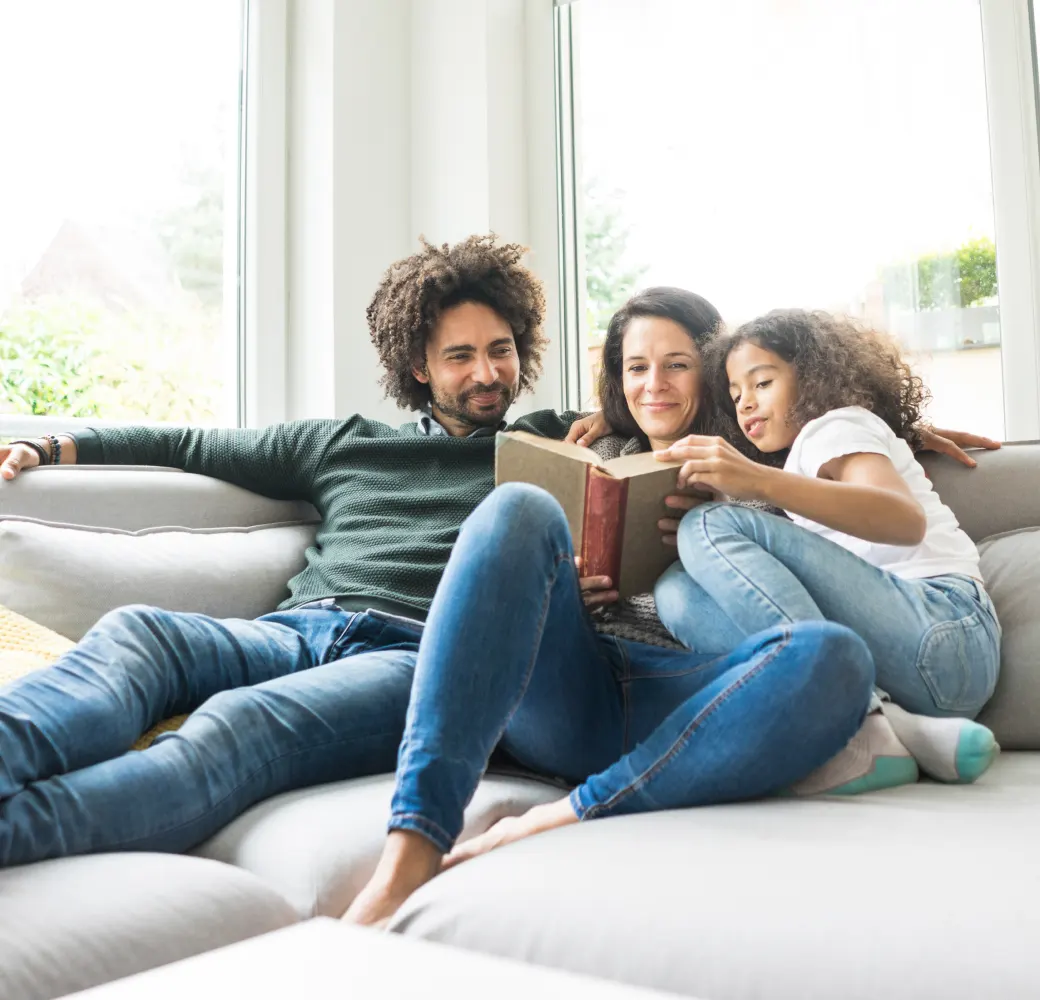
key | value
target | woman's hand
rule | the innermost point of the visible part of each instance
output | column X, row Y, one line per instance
column 670, row 525
column 588, row 429
column 953, row 443
column 595, row 590
column 513, row 828
column 714, row 463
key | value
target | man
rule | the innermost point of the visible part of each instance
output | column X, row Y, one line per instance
column 317, row 691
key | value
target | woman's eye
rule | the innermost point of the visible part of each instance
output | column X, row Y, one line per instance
column 637, row 368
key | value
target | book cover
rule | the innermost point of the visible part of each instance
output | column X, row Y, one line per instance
column 612, row 507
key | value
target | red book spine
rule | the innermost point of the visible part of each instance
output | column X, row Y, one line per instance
column 603, row 527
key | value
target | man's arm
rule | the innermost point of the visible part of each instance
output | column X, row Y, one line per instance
column 280, row 461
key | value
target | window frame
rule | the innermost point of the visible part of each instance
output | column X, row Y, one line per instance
column 1013, row 104
column 255, row 293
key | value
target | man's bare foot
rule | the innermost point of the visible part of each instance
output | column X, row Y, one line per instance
column 408, row 861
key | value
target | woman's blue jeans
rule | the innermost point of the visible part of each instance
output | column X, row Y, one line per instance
column 509, row 657
column 935, row 642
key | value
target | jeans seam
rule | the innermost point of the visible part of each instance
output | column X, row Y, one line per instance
column 680, row 742
column 336, row 646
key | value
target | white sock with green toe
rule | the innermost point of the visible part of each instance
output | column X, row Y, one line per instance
column 873, row 759
column 953, row 750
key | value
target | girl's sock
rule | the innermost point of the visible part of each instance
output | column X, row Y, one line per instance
column 873, row 759
column 952, row 750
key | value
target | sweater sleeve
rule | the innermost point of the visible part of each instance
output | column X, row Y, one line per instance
column 547, row 423
column 280, row 461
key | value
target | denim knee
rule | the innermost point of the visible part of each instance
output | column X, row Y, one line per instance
column 671, row 598
column 843, row 667
column 130, row 618
column 521, row 512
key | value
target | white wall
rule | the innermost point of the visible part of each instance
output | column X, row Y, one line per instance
column 408, row 117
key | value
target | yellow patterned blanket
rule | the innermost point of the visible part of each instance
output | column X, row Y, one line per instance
column 26, row 646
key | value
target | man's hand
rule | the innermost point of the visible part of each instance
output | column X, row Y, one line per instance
column 588, row 429
column 953, row 443
column 595, row 590
column 15, row 458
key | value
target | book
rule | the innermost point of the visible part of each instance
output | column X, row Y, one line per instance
column 612, row 507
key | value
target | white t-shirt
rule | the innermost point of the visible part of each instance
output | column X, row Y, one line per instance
column 851, row 430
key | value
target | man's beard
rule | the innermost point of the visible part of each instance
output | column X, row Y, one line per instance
column 458, row 408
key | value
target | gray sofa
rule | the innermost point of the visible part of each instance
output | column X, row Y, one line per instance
column 922, row 891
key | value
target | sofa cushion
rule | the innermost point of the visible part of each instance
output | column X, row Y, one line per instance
column 1011, row 569
column 73, row 923
column 66, row 577
column 319, row 846
column 922, row 891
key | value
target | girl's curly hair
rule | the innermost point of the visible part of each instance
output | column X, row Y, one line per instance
column 838, row 362
column 415, row 291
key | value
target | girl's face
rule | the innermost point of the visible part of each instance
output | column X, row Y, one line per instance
column 763, row 388
column 661, row 378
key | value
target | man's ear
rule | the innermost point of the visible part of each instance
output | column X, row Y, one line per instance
column 421, row 374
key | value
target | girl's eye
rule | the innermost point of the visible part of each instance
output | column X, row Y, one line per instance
column 764, row 385
column 681, row 365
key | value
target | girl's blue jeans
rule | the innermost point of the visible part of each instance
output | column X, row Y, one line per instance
column 935, row 642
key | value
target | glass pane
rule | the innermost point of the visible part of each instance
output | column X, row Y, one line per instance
column 778, row 153
column 118, row 209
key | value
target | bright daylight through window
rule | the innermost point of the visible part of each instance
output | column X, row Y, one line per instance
column 778, row 153
column 119, row 209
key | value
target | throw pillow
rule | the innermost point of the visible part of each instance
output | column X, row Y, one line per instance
column 66, row 577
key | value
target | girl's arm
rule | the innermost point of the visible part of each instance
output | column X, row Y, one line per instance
column 859, row 494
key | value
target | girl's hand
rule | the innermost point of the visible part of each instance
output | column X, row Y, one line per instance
column 595, row 590
column 588, row 429
column 714, row 463
column 953, row 443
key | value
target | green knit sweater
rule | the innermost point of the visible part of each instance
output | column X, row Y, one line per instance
column 391, row 501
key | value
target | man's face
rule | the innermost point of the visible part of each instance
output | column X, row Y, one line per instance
column 472, row 368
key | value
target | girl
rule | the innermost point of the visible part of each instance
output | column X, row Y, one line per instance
column 869, row 544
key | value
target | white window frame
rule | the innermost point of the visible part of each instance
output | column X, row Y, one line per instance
column 255, row 291
column 1012, row 104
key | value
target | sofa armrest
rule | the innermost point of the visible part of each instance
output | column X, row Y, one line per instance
column 134, row 497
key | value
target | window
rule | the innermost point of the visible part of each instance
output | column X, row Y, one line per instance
column 796, row 153
column 119, row 209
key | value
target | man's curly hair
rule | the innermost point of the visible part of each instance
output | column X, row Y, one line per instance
column 415, row 291
column 838, row 362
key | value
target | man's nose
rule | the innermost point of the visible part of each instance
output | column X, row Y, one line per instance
column 484, row 371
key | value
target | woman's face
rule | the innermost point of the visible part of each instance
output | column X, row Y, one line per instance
column 661, row 377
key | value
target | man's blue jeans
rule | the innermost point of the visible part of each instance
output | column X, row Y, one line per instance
column 935, row 642
column 509, row 657
column 292, row 699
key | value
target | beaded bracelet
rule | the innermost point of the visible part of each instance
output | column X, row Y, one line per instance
column 55, row 449
column 41, row 454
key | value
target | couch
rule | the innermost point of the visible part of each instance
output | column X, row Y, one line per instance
column 921, row 891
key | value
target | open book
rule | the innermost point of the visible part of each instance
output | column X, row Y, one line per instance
column 612, row 507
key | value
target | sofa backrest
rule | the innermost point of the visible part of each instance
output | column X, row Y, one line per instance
column 1002, row 494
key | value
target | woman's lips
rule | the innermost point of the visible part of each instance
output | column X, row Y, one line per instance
column 659, row 406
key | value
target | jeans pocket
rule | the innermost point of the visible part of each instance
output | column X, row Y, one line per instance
column 958, row 662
